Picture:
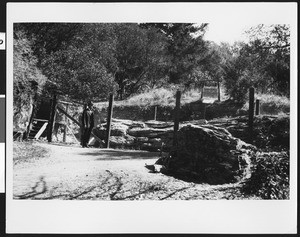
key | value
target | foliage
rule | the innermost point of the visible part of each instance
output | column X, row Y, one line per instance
column 78, row 74
column 272, row 104
column 28, row 79
column 98, row 57
column 27, row 152
column 140, row 54
column 262, row 63
column 185, row 48
column 90, row 60
column 270, row 176
column 50, row 37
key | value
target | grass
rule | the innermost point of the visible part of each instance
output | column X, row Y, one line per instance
column 165, row 97
column 271, row 104
column 27, row 152
column 156, row 97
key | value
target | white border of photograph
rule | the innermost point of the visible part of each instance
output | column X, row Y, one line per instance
column 2, row 170
column 210, row 216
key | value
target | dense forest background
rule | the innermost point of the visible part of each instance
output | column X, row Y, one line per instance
column 85, row 61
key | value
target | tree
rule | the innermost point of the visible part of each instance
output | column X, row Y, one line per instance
column 269, row 46
column 79, row 72
column 262, row 63
column 140, row 54
column 185, row 48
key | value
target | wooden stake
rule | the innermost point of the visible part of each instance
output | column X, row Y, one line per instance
column 176, row 118
column 251, row 108
column 109, row 117
column 204, row 110
column 219, row 91
column 65, row 126
column 51, row 119
column 155, row 112
column 257, row 108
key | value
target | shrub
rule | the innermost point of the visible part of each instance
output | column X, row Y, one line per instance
column 270, row 176
column 162, row 97
column 272, row 104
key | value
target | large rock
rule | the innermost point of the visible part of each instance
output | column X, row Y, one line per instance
column 121, row 141
column 117, row 129
column 208, row 154
column 147, row 132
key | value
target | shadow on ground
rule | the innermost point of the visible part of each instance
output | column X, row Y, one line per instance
column 111, row 186
column 121, row 155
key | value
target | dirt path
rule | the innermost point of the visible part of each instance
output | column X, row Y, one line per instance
column 70, row 172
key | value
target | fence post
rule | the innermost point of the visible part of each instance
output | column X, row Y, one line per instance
column 257, row 108
column 109, row 117
column 176, row 118
column 251, row 108
column 51, row 119
column 219, row 91
column 65, row 126
column 204, row 110
column 155, row 112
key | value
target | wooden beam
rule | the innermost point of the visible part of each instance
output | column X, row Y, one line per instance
column 109, row 117
column 69, row 116
column 219, row 91
column 251, row 108
column 257, row 108
column 51, row 119
column 65, row 125
column 176, row 118
column 40, row 132
column 70, row 103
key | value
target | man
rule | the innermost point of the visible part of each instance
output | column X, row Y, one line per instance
column 87, row 120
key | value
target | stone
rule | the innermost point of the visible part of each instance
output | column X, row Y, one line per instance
column 117, row 141
column 159, row 124
column 209, row 154
column 145, row 132
column 117, row 129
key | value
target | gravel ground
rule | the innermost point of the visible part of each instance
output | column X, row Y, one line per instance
column 72, row 172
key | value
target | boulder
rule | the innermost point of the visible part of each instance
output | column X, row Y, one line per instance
column 117, row 129
column 146, row 132
column 159, row 124
column 121, row 141
column 209, row 154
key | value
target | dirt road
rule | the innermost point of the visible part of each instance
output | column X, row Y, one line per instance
column 72, row 172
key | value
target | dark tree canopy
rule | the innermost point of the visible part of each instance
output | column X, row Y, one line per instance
column 185, row 48
column 87, row 61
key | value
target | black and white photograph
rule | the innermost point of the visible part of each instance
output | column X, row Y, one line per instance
column 151, row 114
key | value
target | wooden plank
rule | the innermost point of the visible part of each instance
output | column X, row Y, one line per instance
column 65, row 125
column 251, row 108
column 219, row 91
column 109, row 118
column 40, row 132
column 69, row 103
column 176, row 118
column 40, row 120
column 51, row 119
column 257, row 108
column 69, row 116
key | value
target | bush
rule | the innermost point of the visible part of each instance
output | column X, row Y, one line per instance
column 270, row 176
column 272, row 104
